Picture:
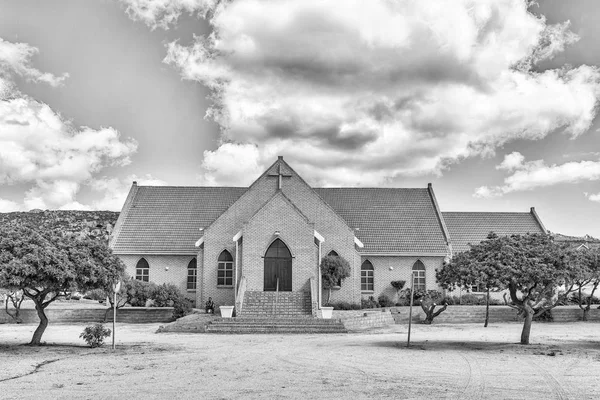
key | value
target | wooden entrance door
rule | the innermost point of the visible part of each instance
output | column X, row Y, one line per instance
column 278, row 266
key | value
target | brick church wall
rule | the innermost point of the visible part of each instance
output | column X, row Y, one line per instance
column 176, row 273
column 295, row 231
column 337, row 234
column 401, row 269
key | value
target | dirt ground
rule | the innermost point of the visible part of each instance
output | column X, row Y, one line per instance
column 444, row 361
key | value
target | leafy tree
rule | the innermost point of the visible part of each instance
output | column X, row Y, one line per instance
column 15, row 297
column 584, row 265
column 334, row 269
column 530, row 267
column 398, row 285
column 48, row 266
column 476, row 267
column 429, row 301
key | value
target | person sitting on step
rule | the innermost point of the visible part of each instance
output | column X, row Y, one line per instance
column 210, row 305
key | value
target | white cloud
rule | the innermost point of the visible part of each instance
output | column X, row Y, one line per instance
column 534, row 174
column 39, row 147
column 223, row 166
column 16, row 58
column 9, row 206
column 358, row 95
column 115, row 190
column 162, row 13
column 512, row 161
column 594, row 197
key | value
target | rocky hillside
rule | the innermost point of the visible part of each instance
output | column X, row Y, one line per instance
column 93, row 224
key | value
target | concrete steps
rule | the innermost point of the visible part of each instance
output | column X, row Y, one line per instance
column 275, row 325
column 283, row 304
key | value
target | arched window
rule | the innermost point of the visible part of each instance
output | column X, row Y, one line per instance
column 419, row 275
column 142, row 270
column 192, row 270
column 225, row 269
column 366, row 276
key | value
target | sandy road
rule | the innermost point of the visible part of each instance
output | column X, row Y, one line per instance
column 445, row 361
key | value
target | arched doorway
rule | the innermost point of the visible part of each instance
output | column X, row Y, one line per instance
column 278, row 267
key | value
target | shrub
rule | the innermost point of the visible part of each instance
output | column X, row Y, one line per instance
column 182, row 307
column 165, row 295
column 385, row 301
column 398, row 285
column 138, row 292
column 369, row 303
column 94, row 335
column 96, row 294
column 344, row 305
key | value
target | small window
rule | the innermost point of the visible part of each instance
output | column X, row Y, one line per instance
column 142, row 270
column 225, row 269
column 419, row 275
column 192, row 274
column 366, row 276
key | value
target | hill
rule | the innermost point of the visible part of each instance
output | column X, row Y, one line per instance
column 93, row 224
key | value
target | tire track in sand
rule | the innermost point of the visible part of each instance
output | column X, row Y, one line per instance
column 557, row 387
column 475, row 386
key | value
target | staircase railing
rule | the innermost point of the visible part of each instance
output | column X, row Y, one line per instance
column 239, row 304
column 276, row 300
column 314, row 300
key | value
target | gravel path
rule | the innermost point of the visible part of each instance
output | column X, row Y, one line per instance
column 444, row 361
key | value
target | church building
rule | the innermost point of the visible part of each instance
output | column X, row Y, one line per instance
column 240, row 243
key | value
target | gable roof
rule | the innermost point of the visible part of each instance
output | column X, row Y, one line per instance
column 166, row 219
column 473, row 227
column 389, row 220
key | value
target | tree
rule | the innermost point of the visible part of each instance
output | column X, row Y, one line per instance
column 16, row 297
column 476, row 267
column 530, row 267
column 334, row 269
column 398, row 285
column 47, row 266
column 429, row 301
column 584, row 265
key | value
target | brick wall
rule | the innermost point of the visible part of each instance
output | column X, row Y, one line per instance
column 135, row 315
column 295, row 222
column 164, row 269
column 361, row 320
column 387, row 269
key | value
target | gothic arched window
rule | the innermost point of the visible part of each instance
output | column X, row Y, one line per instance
column 142, row 270
column 367, row 276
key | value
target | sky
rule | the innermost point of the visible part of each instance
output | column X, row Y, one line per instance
column 493, row 102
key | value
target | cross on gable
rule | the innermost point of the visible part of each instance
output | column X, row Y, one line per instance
column 280, row 175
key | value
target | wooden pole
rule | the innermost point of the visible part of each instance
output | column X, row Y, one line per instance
column 412, row 291
column 114, row 317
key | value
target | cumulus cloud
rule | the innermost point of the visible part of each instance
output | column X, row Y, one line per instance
column 360, row 95
column 528, row 175
column 162, row 13
column 39, row 147
column 594, row 197
column 115, row 190
column 16, row 58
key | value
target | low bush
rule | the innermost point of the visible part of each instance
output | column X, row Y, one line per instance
column 182, row 307
column 96, row 294
column 344, row 305
column 369, row 303
column 139, row 292
column 385, row 301
column 94, row 335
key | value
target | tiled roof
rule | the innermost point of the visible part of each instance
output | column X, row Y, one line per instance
column 473, row 227
column 389, row 220
column 166, row 219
